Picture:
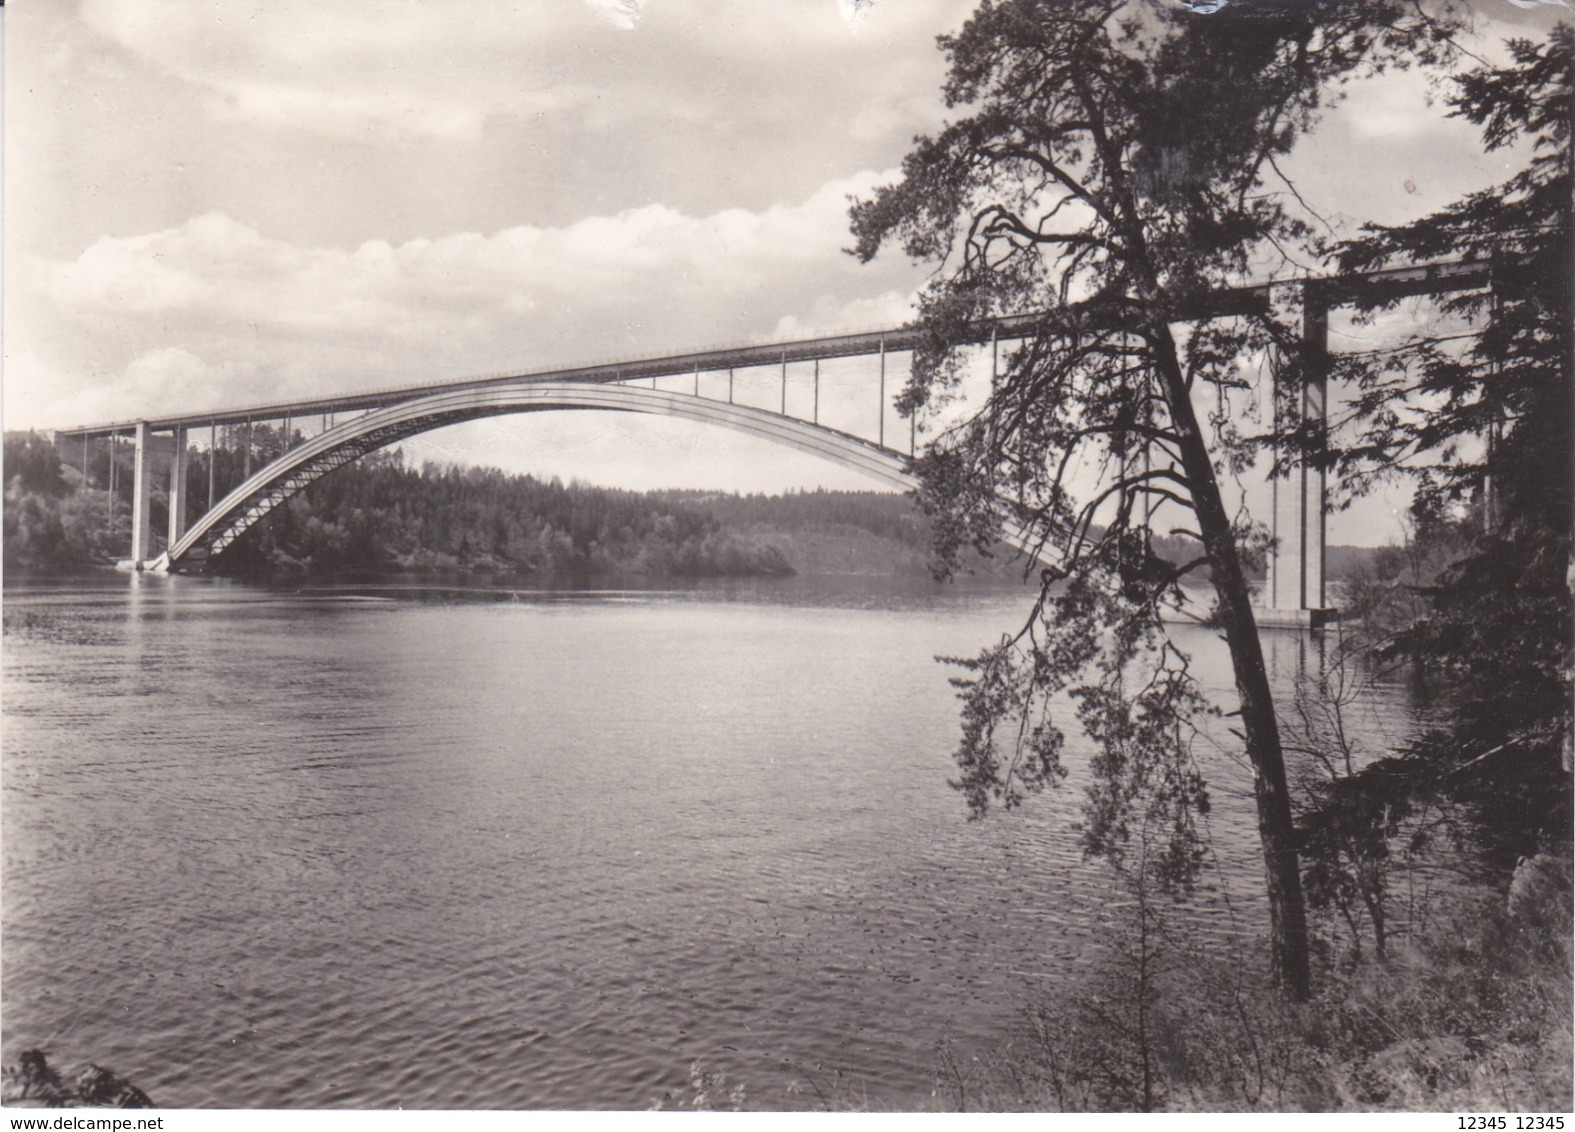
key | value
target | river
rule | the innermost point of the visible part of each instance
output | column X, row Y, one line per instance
column 444, row 849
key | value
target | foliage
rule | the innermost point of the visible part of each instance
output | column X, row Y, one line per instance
column 53, row 521
column 33, row 465
column 1366, row 814
column 1472, row 1015
column 379, row 514
column 1388, row 591
column 1117, row 165
column 1421, row 405
column 376, row 515
column 890, row 517
column 1483, row 425
column 1477, row 599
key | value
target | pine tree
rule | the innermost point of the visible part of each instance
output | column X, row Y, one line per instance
column 1489, row 426
column 1118, row 164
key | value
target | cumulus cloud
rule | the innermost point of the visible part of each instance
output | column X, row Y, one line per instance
column 830, row 315
column 213, row 312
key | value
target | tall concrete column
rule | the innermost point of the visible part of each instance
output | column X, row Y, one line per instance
column 1315, row 420
column 141, row 497
column 178, row 487
column 1295, row 588
column 1273, row 585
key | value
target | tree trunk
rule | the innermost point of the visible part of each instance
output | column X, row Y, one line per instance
column 1276, row 830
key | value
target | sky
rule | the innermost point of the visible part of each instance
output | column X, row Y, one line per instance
column 229, row 201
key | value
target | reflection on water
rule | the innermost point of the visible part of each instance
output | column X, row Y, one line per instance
column 339, row 847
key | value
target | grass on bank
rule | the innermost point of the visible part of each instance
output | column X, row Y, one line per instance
column 1472, row 1016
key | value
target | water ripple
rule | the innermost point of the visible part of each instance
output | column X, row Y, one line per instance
column 283, row 850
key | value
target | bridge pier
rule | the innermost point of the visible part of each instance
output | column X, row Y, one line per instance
column 148, row 448
column 141, row 497
column 178, row 487
column 1314, row 480
column 1300, row 598
column 880, row 428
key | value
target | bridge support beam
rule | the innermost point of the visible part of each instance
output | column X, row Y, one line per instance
column 178, row 487
column 1315, row 418
column 142, row 497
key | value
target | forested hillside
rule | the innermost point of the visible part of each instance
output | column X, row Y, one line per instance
column 382, row 514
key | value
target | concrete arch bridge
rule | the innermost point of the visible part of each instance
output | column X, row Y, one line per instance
column 381, row 417
column 363, row 423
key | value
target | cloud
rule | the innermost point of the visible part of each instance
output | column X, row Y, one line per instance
column 386, row 69
column 213, row 312
column 377, row 69
column 337, row 121
column 828, row 315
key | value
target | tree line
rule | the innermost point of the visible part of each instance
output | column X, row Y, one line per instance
column 381, row 514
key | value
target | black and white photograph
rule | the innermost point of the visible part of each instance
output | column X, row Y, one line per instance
column 788, row 556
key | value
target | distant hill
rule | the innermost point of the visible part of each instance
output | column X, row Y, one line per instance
column 827, row 532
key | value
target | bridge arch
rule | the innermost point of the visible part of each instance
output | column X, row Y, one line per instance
column 276, row 482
